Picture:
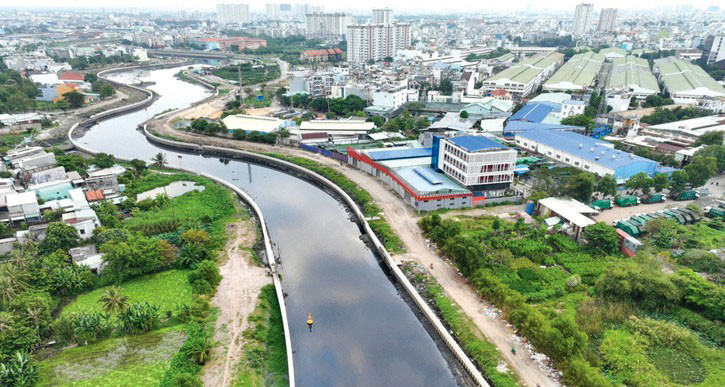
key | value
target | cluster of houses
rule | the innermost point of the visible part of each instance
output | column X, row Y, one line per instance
column 38, row 186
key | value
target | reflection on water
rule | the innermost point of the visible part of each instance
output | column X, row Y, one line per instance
column 365, row 334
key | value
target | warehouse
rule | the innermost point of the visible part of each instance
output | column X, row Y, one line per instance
column 579, row 73
column 585, row 153
column 632, row 74
column 686, row 82
column 524, row 77
column 249, row 123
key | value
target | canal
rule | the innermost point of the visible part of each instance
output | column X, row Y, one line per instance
column 365, row 333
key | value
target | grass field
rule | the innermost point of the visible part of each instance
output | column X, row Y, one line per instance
column 130, row 361
column 166, row 289
column 265, row 355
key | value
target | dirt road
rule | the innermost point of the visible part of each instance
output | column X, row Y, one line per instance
column 404, row 221
column 236, row 299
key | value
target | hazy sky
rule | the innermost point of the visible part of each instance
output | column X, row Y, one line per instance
column 401, row 5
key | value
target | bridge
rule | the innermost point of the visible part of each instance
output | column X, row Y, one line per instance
column 196, row 54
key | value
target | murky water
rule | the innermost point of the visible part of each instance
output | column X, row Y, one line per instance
column 365, row 334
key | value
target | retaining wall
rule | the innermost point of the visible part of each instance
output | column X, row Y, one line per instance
column 398, row 274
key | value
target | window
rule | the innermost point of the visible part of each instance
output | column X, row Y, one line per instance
column 586, row 167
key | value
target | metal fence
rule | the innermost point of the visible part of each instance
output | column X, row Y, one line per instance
column 324, row 152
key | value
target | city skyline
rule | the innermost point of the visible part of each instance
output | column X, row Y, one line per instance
column 403, row 6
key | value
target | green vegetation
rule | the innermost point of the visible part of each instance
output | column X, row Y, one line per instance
column 251, row 73
column 9, row 141
column 131, row 361
column 161, row 234
column 167, row 289
column 604, row 319
column 479, row 349
column 265, row 354
column 663, row 116
column 288, row 48
column 17, row 94
column 493, row 54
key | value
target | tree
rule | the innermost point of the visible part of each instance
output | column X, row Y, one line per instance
column 629, row 281
column 446, row 86
column 661, row 181
column 464, row 114
column 159, row 160
column 90, row 77
column 74, row 98
column 711, row 138
column 640, row 181
column 139, row 166
column 716, row 151
column 103, row 160
column 113, row 301
column 679, row 180
column 602, row 238
column 124, row 259
column 700, row 170
column 607, row 185
column 20, row 371
column 581, row 120
column 662, row 231
column 13, row 281
column 59, row 236
column 581, row 186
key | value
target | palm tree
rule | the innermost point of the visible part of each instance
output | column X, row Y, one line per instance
column 113, row 301
column 13, row 281
column 159, row 160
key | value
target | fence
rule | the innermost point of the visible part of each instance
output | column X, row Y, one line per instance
column 419, row 196
column 324, row 152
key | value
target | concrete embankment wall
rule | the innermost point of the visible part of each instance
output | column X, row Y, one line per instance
column 397, row 273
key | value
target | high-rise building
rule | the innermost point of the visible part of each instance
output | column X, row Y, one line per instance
column 380, row 39
column 273, row 11
column 383, row 16
column 327, row 25
column 376, row 41
column 715, row 48
column 582, row 18
column 279, row 11
column 607, row 18
column 232, row 13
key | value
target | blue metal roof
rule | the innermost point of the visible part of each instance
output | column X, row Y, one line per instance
column 521, row 126
column 534, row 112
column 396, row 154
column 443, row 184
column 625, row 164
column 475, row 143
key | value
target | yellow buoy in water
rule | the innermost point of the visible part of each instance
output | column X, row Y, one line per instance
column 310, row 321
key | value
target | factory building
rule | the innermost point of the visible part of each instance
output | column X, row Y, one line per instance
column 687, row 82
column 579, row 73
column 524, row 77
column 586, row 153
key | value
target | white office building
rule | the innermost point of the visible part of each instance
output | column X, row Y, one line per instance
column 582, row 18
column 481, row 164
column 607, row 18
column 232, row 13
column 327, row 25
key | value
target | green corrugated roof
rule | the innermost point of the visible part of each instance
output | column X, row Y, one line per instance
column 612, row 50
column 681, row 76
column 580, row 70
column 529, row 68
column 632, row 72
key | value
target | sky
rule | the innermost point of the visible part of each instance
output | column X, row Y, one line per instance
column 335, row 5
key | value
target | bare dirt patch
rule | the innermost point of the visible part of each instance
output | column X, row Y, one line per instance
column 236, row 299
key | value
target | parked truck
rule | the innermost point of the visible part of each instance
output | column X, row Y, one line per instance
column 716, row 212
column 685, row 195
column 654, row 198
column 602, row 204
column 627, row 201
column 629, row 228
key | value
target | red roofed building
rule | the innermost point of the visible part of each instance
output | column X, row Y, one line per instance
column 324, row 55
column 71, row 76
column 500, row 94
column 94, row 196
